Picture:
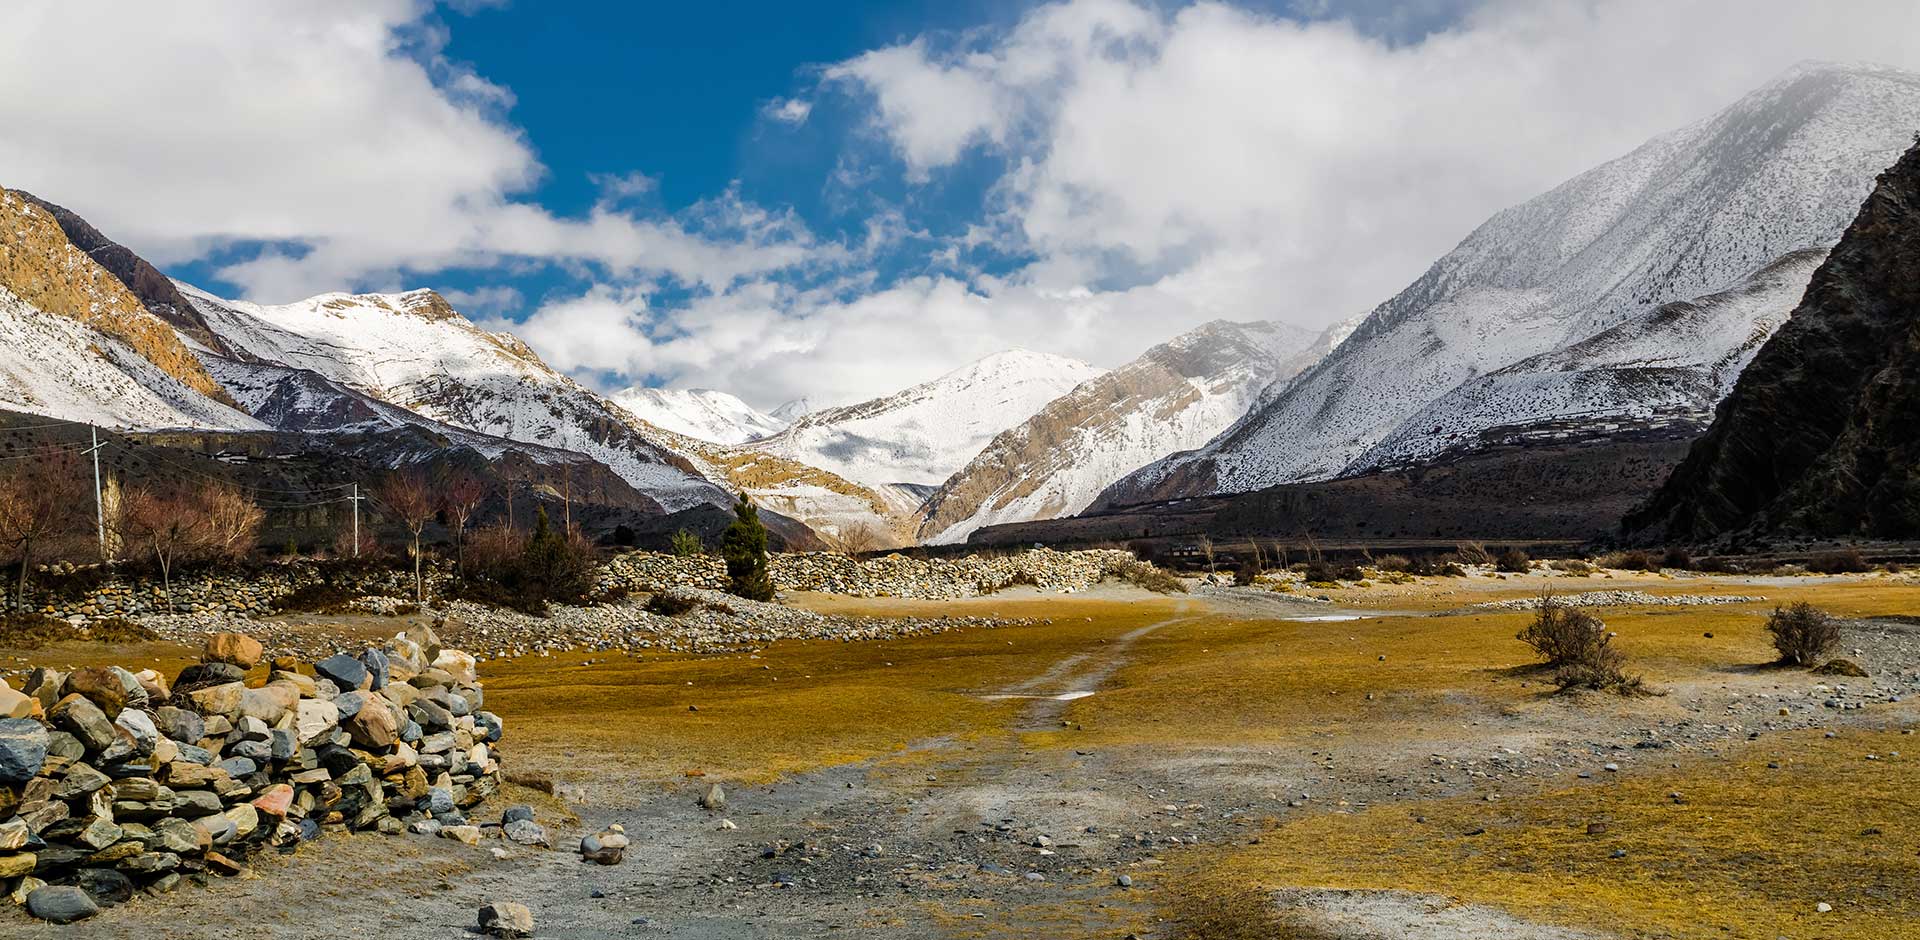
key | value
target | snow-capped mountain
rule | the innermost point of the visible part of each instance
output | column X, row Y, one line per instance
column 1175, row 396
column 1666, row 369
column 700, row 413
column 76, row 344
column 414, row 351
column 923, row 434
column 1687, row 215
column 791, row 411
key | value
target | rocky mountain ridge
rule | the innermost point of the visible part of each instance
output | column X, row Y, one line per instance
column 1175, row 396
column 1687, row 216
column 1821, row 435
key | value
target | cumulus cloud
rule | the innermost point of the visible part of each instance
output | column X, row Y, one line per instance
column 336, row 133
column 1321, row 166
column 789, row 110
column 1154, row 165
column 1167, row 165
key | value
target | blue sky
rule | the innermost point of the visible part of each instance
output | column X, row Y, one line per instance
column 835, row 200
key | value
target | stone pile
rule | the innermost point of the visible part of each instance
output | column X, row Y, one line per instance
column 1622, row 599
column 708, row 622
column 114, row 781
column 254, row 593
column 887, row 576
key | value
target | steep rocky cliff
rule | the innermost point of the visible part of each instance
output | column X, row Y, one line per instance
column 1821, row 435
column 43, row 267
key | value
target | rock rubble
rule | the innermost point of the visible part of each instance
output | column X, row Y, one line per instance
column 113, row 781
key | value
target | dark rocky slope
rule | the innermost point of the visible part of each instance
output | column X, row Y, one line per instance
column 1821, row 435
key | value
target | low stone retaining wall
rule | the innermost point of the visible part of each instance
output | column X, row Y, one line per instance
column 886, row 576
column 114, row 781
column 254, row 593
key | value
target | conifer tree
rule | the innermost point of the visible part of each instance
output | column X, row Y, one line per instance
column 744, row 546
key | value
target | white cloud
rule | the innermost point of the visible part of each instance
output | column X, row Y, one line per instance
column 1309, row 169
column 789, row 110
column 333, row 131
column 1163, row 164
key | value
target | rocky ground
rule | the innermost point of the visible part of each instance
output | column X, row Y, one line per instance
column 1017, row 830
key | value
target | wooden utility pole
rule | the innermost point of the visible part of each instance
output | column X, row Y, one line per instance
column 356, row 519
column 99, row 506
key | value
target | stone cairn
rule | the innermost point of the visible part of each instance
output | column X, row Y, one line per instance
column 113, row 782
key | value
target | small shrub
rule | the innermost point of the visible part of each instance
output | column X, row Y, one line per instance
column 1317, row 571
column 1151, row 577
column 1633, row 560
column 1802, row 633
column 1247, row 573
column 1677, row 557
column 1578, row 646
column 1472, row 553
column 1572, row 566
column 119, row 630
column 1451, row 570
column 1399, row 563
column 685, row 544
column 1349, row 573
column 1514, row 561
column 1845, row 561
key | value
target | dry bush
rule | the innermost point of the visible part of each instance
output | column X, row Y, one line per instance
column 1802, row 633
column 1399, row 563
column 1571, row 566
column 1152, row 577
column 1676, row 557
column 1845, row 561
column 1578, row 646
column 1632, row 560
column 1472, row 553
column 1513, row 561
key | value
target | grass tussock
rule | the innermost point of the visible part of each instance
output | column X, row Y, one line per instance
column 1845, row 561
column 30, row 631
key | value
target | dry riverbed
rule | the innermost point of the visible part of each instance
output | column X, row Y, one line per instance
column 1225, row 764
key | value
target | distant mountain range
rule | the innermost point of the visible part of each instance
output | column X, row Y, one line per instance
column 1623, row 305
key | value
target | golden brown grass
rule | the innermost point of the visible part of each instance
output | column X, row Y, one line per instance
column 796, row 706
column 1749, row 851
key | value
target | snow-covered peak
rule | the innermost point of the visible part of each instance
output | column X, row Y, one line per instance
column 413, row 350
column 923, row 434
column 700, row 413
column 792, row 411
column 1174, row 396
column 1688, row 214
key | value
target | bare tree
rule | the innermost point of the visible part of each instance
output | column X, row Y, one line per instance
column 856, row 539
column 1206, row 551
column 232, row 522
column 462, row 496
column 171, row 527
column 40, row 503
column 410, row 498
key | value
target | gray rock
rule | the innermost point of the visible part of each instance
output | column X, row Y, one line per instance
column 85, row 721
column 517, row 813
column 526, row 832
column 342, row 670
column 180, row 724
column 23, row 749
column 376, row 665
column 61, row 904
